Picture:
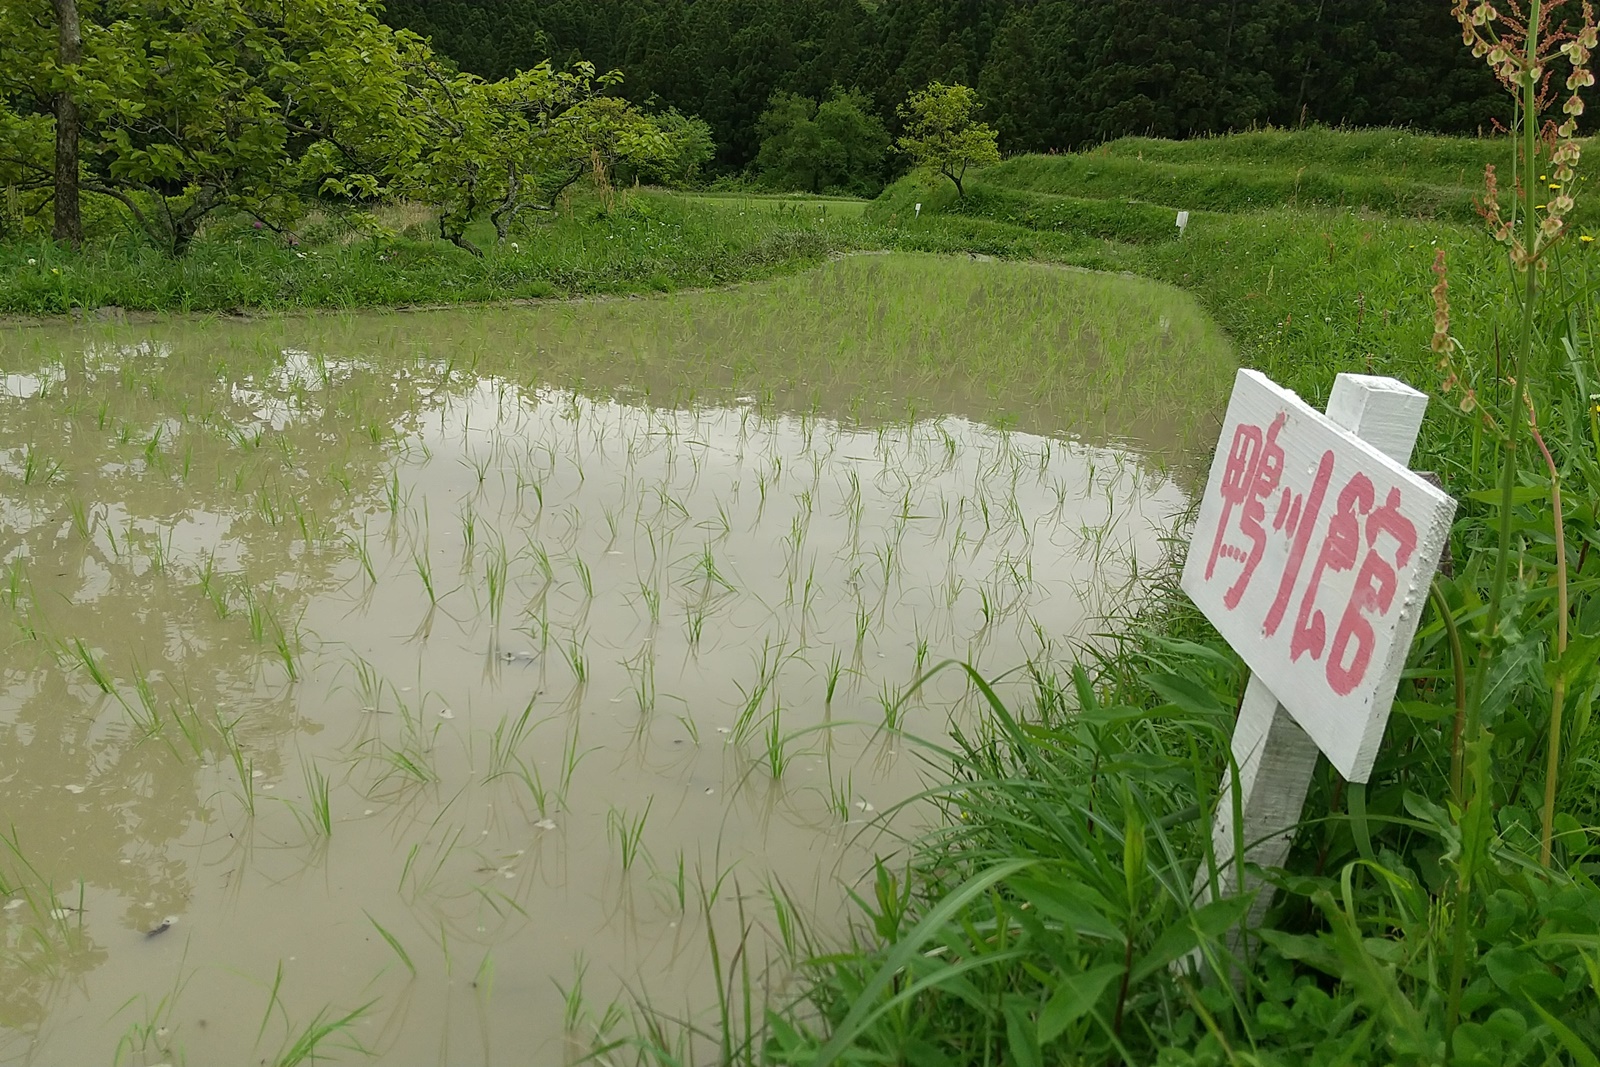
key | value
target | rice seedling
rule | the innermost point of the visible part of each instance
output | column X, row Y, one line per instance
column 86, row 658
column 393, row 942
column 841, row 793
column 80, row 519
column 531, row 778
column 506, row 741
column 496, row 569
column 480, row 465
column 393, row 498
column 244, row 767
column 695, row 623
column 832, row 678
column 748, row 718
column 650, row 595
column 327, row 1026
column 362, row 551
column 570, row 758
column 318, row 794
column 777, row 754
column 256, row 614
column 642, row 671
column 147, row 716
column 424, row 568
column 154, row 1034
column 541, row 562
column 628, row 833
column 585, row 579
column 15, row 579
column 469, row 534
column 893, row 703
column 573, row 652
column 410, row 761
column 286, row 643
column 418, row 878
column 36, row 470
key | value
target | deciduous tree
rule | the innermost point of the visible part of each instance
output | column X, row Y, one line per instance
column 180, row 109
column 835, row 146
column 942, row 132
column 510, row 145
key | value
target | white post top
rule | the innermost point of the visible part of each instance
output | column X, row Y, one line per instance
column 1383, row 412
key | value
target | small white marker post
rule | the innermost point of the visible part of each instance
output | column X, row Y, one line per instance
column 1183, row 222
column 1312, row 555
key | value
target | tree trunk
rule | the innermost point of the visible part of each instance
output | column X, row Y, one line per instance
column 506, row 213
column 460, row 241
column 457, row 234
column 69, row 220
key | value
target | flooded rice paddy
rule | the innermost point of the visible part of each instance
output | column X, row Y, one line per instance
column 431, row 686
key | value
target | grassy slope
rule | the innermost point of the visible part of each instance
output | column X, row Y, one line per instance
column 1385, row 172
column 651, row 243
column 1305, row 290
column 1331, row 274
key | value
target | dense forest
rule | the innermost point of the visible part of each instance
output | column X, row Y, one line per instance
column 1054, row 74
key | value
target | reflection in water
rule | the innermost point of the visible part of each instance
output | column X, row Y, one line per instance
column 346, row 672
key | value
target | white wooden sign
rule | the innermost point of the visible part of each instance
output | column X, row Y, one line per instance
column 1312, row 554
column 1314, row 549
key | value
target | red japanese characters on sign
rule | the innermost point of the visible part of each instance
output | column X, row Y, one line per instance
column 1311, row 554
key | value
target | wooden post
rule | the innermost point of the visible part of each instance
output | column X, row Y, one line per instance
column 1272, row 749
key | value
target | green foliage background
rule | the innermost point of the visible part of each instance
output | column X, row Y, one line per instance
column 1053, row 74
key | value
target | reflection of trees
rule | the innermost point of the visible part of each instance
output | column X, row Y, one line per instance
column 192, row 474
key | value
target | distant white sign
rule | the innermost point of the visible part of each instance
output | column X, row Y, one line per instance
column 1313, row 553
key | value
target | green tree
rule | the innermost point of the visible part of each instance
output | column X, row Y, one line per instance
column 689, row 147
column 942, row 132
column 515, row 144
column 39, row 121
column 188, row 107
column 835, row 146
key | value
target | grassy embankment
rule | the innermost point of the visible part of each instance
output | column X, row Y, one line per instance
column 649, row 243
column 1038, row 925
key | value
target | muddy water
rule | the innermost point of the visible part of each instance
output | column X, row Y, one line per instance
column 438, row 681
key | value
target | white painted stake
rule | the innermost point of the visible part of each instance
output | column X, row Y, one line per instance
column 1183, row 222
column 1274, row 755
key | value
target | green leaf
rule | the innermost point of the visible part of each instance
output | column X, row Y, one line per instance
column 1424, row 711
column 1576, row 664
column 1186, row 694
column 1306, row 948
column 865, row 1007
column 1522, row 494
column 1182, row 937
column 1521, row 973
column 1582, row 1054
column 1022, row 1039
column 1077, row 907
column 1074, row 998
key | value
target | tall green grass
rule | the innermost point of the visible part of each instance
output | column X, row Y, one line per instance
column 650, row 243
